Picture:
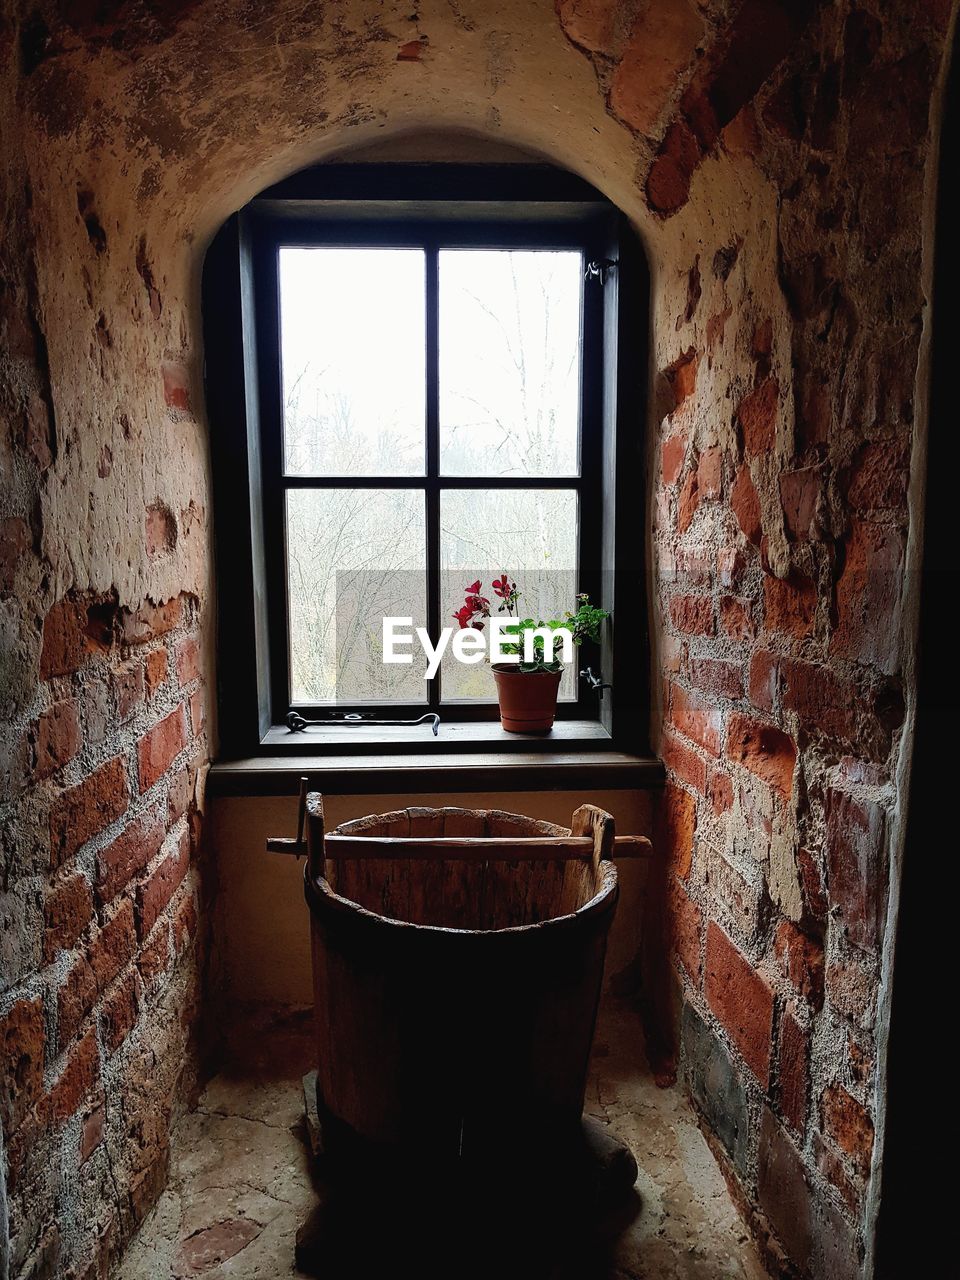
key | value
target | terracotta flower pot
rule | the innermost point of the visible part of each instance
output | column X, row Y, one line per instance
column 528, row 699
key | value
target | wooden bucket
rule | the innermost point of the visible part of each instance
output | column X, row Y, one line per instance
column 457, row 960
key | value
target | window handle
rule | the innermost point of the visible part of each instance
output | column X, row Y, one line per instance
column 296, row 723
column 593, row 680
column 599, row 269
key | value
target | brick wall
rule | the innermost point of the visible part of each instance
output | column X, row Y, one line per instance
column 788, row 342
column 100, row 924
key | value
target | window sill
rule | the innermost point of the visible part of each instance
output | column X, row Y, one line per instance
column 465, row 757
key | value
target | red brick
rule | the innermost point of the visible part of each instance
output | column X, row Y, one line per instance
column 83, row 811
column 794, row 1071
column 763, row 749
column 736, row 618
column 879, row 477
column 54, row 740
column 154, row 957
column 73, row 631
column 696, row 720
column 128, row 685
column 741, row 999
column 119, row 1013
column 763, row 679
column 869, row 589
column 197, row 713
column 714, row 675
column 91, row 1135
column 155, row 670
column 77, row 1080
column 682, row 376
column 746, row 506
column 114, row 946
column 720, row 791
column 660, row 47
column 757, row 416
column 801, row 959
column 857, row 865
column 154, row 894
column 710, row 473
column 685, row 920
column 127, row 855
column 688, row 502
column 789, row 605
column 672, row 453
column 15, row 541
column 159, row 747
column 22, row 1042
column 75, row 998
column 176, row 385
column 188, row 659
column 847, row 1123
column 693, row 615
column 676, row 823
column 668, row 181
column 681, row 760
column 68, row 909
column 149, row 621
column 590, row 25
column 799, row 491
column 820, row 698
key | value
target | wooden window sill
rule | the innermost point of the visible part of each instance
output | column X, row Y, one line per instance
column 465, row 757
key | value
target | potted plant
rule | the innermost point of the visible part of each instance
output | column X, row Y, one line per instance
column 527, row 690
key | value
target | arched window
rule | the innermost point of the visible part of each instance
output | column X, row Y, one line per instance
column 420, row 376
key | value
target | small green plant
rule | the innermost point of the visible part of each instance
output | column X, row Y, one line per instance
column 583, row 624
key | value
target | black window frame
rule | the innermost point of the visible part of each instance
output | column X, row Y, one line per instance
column 430, row 207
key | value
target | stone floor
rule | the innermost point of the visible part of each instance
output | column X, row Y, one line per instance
column 241, row 1183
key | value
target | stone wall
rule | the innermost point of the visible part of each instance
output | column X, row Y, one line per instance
column 777, row 157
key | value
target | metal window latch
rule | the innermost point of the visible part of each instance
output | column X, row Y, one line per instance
column 599, row 269
column 594, row 681
column 296, row 723
column 297, row 846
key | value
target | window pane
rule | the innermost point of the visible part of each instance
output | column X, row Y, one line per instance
column 354, row 556
column 529, row 534
column 352, row 353
column 509, row 362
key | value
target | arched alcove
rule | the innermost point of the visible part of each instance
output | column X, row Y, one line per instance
column 774, row 160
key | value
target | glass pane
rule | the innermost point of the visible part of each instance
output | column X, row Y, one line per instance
column 354, row 556
column 352, row 354
column 509, row 362
column 529, row 534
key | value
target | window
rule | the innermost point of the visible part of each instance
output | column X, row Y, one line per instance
column 413, row 382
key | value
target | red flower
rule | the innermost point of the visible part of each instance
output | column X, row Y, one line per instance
column 473, row 588
column 502, row 587
column 479, row 603
column 463, row 616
